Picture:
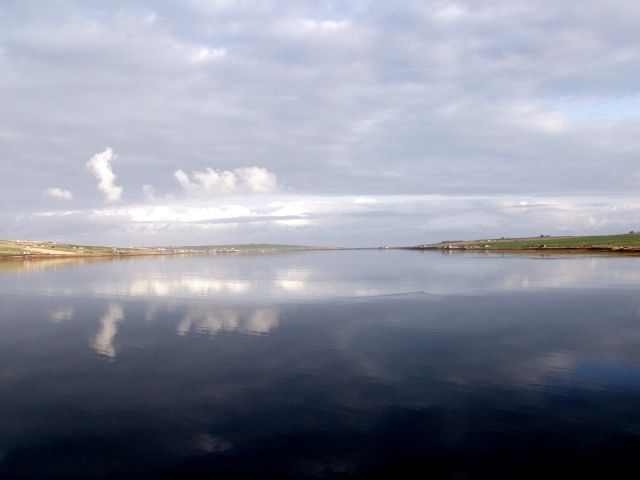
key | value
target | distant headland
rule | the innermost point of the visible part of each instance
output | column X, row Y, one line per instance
column 39, row 249
column 623, row 243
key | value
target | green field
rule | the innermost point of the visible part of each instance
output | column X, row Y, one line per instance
column 6, row 250
column 624, row 241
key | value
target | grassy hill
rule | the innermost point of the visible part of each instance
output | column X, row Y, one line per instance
column 624, row 242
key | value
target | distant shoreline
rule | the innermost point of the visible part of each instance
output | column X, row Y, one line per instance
column 628, row 243
column 24, row 249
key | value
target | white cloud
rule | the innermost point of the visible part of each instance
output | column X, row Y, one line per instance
column 57, row 213
column 294, row 222
column 449, row 13
column 99, row 165
column 204, row 54
column 150, row 18
column 59, row 193
column 175, row 213
column 210, row 182
column 149, row 192
column 257, row 180
column 347, row 220
column 312, row 25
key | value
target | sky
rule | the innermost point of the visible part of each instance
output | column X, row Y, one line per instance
column 353, row 123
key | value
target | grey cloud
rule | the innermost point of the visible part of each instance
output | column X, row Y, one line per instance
column 450, row 98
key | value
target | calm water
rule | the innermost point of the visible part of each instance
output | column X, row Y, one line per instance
column 320, row 364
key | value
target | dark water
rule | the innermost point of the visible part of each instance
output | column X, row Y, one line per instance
column 359, row 364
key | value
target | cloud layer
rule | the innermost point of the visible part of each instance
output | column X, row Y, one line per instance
column 206, row 100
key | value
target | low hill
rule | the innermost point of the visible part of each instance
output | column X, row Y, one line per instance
column 32, row 248
column 625, row 242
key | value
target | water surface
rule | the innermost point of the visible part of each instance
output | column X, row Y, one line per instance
column 320, row 364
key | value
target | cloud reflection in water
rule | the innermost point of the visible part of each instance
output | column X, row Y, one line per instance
column 315, row 275
column 103, row 341
column 61, row 314
column 211, row 321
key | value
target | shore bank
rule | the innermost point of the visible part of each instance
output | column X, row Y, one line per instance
column 36, row 249
column 620, row 244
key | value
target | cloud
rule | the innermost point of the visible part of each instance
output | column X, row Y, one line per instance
column 449, row 13
column 204, row 54
column 99, row 165
column 59, row 193
column 348, row 220
column 305, row 26
column 210, row 182
column 149, row 192
column 371, row 99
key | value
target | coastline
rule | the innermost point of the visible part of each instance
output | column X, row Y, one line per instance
column 622, row 244
column 38, row 250
column 625, row 244
column 550, row 250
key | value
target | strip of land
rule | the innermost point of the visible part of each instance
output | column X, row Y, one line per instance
column 624, row 243
column 628, row 243
column 32, row 248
